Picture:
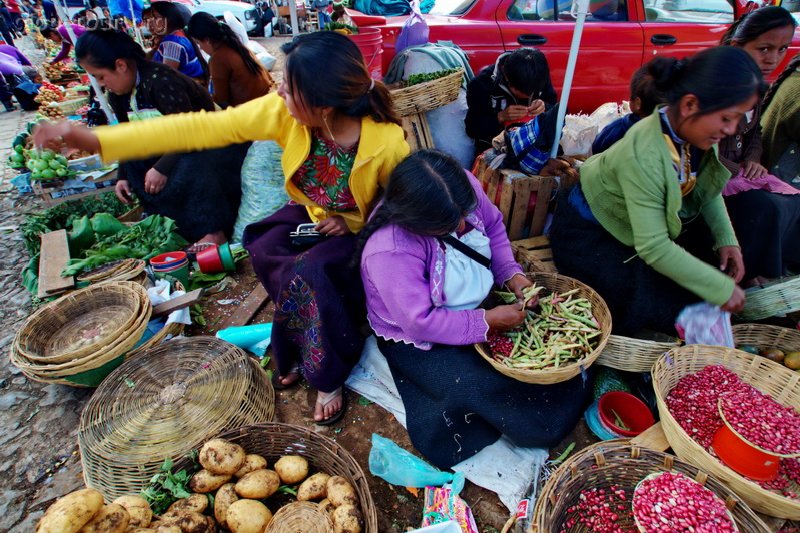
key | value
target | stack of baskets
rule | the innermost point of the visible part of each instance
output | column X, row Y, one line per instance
column 771, row 378
column 163, row 404
column 122, row 270
column 79, row 338
column 558, row 283
column 272, row 440
column 776, row 298
column 427, row 96
column 633, row 355
column 621, row 464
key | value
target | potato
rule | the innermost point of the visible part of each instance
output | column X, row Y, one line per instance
column 226, row 495
column 195, row 502
column 292, row 469
column 248, row 516
column 138, row 509
column 112, row 518
column 341, row 492
column 327, row 506
column 189, row 522
column 71, row 512
column 205, row 482
column 221, row 457
column 252, row 462
column 313, row 488
column 168, row 529
column 258, row 485
column 346, row 519
column 140, row 530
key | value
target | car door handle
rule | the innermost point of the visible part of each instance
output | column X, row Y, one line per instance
column 531, row 39
column 663, row 38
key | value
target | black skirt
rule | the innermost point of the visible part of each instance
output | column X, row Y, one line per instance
column 637, row 296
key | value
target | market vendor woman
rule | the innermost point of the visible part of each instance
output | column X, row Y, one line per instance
column 643, row 223
column 200, row 191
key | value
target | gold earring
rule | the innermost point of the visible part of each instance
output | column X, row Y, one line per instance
column 325, row 120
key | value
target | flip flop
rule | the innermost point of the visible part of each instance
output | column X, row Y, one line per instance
column 276, row 379
column 338, row 414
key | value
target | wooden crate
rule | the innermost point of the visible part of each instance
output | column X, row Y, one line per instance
column 418, row 133
column 511, row 192
column 534, row 254
column 54, row 193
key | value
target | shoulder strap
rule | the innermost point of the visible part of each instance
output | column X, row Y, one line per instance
column 466, row 250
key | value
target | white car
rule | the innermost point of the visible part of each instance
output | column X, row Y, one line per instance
column 248, row 14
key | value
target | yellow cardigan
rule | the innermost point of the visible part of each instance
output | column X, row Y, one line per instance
column 381, row 147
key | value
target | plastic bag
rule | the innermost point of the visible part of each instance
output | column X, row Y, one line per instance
column 236, row 26
column 263, row 190
column 704, row 323
column 414, row 31
column 444, row 505
column 393, row 464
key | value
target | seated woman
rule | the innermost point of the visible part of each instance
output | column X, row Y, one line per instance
column 649, row 210
column 174, row 48
column 201, row 190
column 764, row 210
column 422, row 302
column 236, row 75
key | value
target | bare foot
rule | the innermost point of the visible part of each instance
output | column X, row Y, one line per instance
column 289, row 379
column 329, row 406
column 210, row 239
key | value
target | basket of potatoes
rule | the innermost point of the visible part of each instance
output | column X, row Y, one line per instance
column 275, row 478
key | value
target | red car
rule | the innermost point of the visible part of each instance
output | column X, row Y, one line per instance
column 618, row 37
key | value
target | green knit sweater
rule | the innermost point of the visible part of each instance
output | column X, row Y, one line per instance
column 780, row 125
column 633, row 191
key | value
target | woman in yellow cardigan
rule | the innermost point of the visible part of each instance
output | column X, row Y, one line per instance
column 341, row 141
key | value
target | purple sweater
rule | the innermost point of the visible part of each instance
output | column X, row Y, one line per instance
column 403, row 276
column 66, row 41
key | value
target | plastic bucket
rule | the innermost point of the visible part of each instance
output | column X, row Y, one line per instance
column 180, row 272
column 167, row 260
column 743, row 457
column 209, row 260
column 370, row 42
column 632, row 411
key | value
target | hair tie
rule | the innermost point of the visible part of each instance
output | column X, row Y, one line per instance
column 371, row 84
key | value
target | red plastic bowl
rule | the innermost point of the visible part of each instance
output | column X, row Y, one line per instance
column 168, row 260
column 209, row 260
column 633, row 412
column 743, row 457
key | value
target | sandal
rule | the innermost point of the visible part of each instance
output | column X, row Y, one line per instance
column 277, row 380
column 324, row 398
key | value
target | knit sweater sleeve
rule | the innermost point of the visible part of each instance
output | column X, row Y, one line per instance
column 398, row 278
column 645, row 200
column 264, row 118
column 716, row 216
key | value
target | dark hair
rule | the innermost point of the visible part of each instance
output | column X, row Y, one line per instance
column 102, row 48
column 326, row 68
column 428, row 194
column 751, row 26
column 788, row 71
column 47, row 31
column 720, row 77
column 526, row 70
column 643, row 87
column 205, row 26
column 177, row 17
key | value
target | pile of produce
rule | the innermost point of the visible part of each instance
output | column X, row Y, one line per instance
column 341, row 27
column 51, row 111
column 561, row 331
column 58, row 71
column 104, row 239
column 44, row 165
column 669, row 501
column 694, row 403
column 85, row 511
column 601, row 511
column 49, row 93
column 789, row 359
column 238, row 490
column 416, row 79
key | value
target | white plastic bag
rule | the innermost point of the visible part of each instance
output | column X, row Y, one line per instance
column 704, row 323
column 580, row 130
column 236, row 26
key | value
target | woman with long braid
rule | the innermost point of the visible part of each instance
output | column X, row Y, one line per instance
column 781, row 125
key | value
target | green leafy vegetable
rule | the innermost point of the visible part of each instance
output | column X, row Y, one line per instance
column 416, row 79
column 166, row 488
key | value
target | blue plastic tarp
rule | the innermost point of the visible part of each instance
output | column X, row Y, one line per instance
column 390, row 8
column 123, row 8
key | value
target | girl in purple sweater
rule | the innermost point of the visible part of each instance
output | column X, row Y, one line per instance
column 423, row 295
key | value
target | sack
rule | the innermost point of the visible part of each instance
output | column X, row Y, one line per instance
column 414, row 31
column 521, row 151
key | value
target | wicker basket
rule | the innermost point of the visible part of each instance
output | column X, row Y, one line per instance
column 777, row 298
column 427, row 96
column 617, row 462
column 272, row 440
column 122, row 270
column 774, row 379
column 300, row 517
column 766, row 337
column 163, row 404
column 170, row 330
column 633, row 355
column 556, row 282
column 69, row 107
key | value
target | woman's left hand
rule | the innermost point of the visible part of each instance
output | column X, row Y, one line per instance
column 517, row 284
column 754, row 170
column 731, row 262
column 154, row 181
column 334, row 226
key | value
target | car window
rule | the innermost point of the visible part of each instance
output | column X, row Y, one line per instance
column 700, row 11
column 599, row 10
column 451, row 7
column 794, row 7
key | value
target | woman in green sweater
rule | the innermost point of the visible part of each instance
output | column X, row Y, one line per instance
column 642, row 225
column 780, row 125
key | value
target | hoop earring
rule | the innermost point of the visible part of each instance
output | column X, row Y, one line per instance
column 327, row 127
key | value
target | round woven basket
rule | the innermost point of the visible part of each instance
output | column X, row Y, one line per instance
column 300, row 517
column 777, row 298
column 558, row 283
column 765, row 337
column 123, row 270
column 272, row 440
column 782, row 384
column 619, row 463
column 633, row 355
column 428, row 95
column 164, row 403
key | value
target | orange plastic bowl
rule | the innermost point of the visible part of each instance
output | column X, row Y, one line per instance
column 633, row 412
column 743, row 457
